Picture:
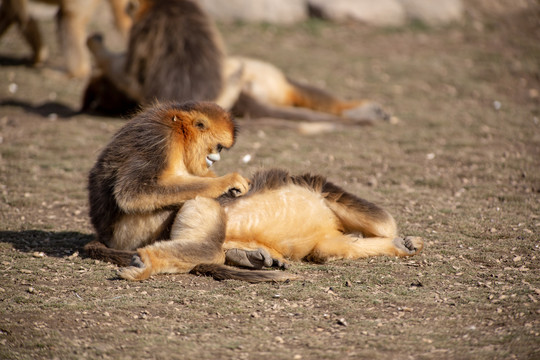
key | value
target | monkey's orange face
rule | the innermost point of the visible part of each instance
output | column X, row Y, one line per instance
column 206, row 130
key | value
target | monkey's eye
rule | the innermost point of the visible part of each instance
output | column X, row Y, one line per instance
column 200, row 124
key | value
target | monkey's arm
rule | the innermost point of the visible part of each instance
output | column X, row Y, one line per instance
column 112, row 66
column 176, row 190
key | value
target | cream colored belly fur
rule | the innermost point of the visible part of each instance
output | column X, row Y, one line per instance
column 290, row 221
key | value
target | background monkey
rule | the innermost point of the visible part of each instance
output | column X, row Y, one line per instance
column 151, row 191
column 73, row 17
column 175, row 53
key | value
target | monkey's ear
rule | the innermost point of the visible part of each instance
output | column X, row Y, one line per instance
column 201, row 123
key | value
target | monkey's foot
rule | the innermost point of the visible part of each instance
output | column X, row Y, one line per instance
column 253, row 259
column 136, row 270
column 369, row 110
column 409, row 246
column 40, row 56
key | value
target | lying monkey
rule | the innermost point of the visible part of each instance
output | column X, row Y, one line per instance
column 155, row 202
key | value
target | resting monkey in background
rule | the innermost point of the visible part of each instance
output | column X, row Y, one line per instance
column 73, row 17
column 155, row 202
column 175, row 53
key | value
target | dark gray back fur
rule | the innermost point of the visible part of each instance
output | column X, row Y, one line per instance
column 175, row 54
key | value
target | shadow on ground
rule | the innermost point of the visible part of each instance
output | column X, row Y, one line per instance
column 44, row 109
column 56, row 244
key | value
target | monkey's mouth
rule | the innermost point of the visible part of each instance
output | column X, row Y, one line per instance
column 212, row 158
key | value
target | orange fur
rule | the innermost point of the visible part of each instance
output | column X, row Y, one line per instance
column 295, row 222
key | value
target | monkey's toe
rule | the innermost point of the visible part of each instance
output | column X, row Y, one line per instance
column 409, row 246
column 251, row 259
column 134, row 273
column 282, row 265
column 414, row 243
column 137, row 262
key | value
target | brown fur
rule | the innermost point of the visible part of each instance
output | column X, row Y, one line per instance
column 73, row 17
column 307, row 217
column 175, row 53
column 151, row 191
column 150, row 178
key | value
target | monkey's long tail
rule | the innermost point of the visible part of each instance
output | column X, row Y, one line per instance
column 224, row 272
column 98, row 250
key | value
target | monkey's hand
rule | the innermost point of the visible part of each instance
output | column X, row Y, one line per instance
column 253, row 259
column 237, row 184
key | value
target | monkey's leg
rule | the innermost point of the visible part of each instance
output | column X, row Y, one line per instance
column 33, row 37
column 7, row 15
column 375, row 223
column 348, row 247
column 17, row 11
column 357, row 111
column 357, row 214
column 197, row 237
column 248, row 106
column 73, row 18
column 112, row 66
column 122, row 19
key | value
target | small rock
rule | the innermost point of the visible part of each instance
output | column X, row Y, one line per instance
column 372, row 181
column 12, row 88
column 342, row 322
column 246, row 158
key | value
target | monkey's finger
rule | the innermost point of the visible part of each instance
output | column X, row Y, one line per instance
column 276, row 263
column 137, row 262
column 234, row 192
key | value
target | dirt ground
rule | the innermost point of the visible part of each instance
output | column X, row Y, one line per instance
column 461, row 168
